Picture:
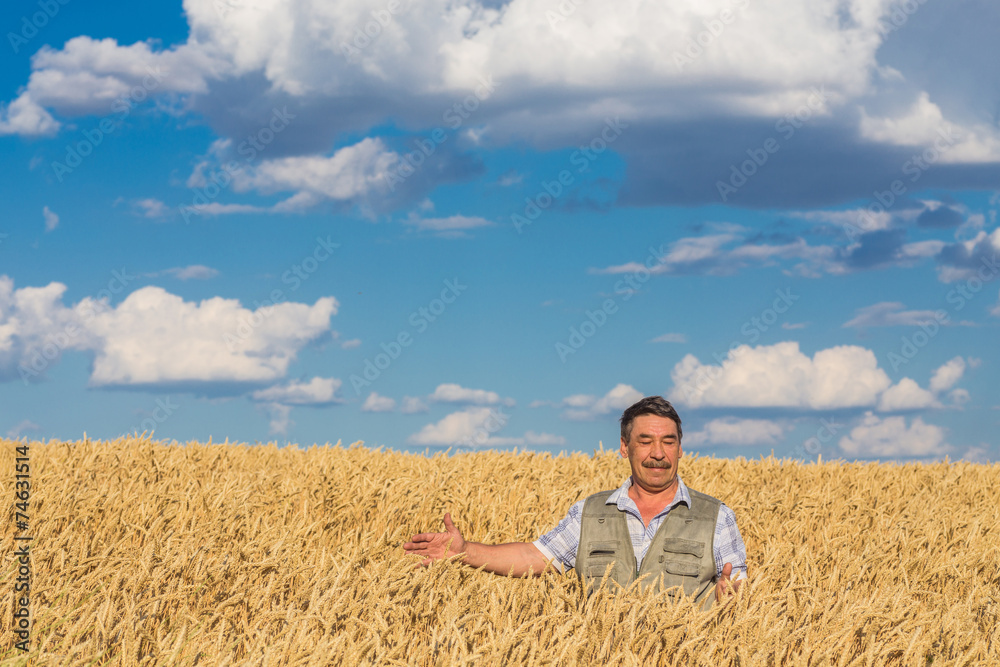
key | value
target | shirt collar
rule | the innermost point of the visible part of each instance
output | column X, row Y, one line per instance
column 620, row 496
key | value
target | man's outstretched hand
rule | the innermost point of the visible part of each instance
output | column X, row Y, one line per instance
column 433, row 546
column 725, row 588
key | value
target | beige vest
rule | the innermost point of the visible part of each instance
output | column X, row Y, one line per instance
column 681, row 553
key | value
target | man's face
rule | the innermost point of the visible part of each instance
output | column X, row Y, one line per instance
column 653, row 451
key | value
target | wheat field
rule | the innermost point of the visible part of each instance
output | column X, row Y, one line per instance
column 148, row 553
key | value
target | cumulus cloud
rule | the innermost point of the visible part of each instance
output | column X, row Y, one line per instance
column 455, row 428
column 781, row 376
column 732, row 431
column 352, row 173
column 582, row 407
column 947, row 375
column 156, row 339
column 475, row 427
column 558, row 81
column 891, row 437
column 318, row 391
column 51, row 219
column 412, row 405
column 377, row 403
column 453, row 393
column 906, row 395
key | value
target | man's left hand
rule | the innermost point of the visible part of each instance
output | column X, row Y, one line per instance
column 725, row 588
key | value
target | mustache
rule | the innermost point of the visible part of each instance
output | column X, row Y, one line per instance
column 656, row 464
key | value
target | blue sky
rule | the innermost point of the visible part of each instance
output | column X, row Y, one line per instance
column 498, row 224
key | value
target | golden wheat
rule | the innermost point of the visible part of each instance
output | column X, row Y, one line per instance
column 220, row 554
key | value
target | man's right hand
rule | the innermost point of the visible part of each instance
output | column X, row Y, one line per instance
column 434, row 546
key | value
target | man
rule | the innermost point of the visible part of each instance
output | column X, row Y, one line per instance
column 673, row 534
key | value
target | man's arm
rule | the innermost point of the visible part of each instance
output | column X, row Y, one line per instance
column 730, row 555
column 514, row 558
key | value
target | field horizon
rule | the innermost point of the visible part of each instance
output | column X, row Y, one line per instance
column 148, row 553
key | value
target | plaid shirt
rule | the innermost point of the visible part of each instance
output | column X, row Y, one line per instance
column 560, row 544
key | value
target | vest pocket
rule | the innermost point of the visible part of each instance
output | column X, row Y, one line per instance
column 677, row 545
column 599, row 549
column 681, row 568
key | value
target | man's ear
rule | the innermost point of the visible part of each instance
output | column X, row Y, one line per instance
column 624, row 449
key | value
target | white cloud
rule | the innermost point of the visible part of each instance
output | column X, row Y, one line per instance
column 670, row 338
column 581, row 407
column 51, row 219
column 351, row 173
column 474, row 427
column 36, row 328
column 318, row 391
column 959, row 397
column 453, row 393
column 891, row 437
column 995, row 310
column 906, row 395
column 923, row 124
column 726, row 253
column 152, row 208
column 376, row 403
column 781, row 376
column 455, row 428
column 26, row 117
column 156, row 338
column 789, row 326
column 891, row 314
column 351, row 344
column 412, row 405
column 852, row 218
column 947, row 375
column 732, row 431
